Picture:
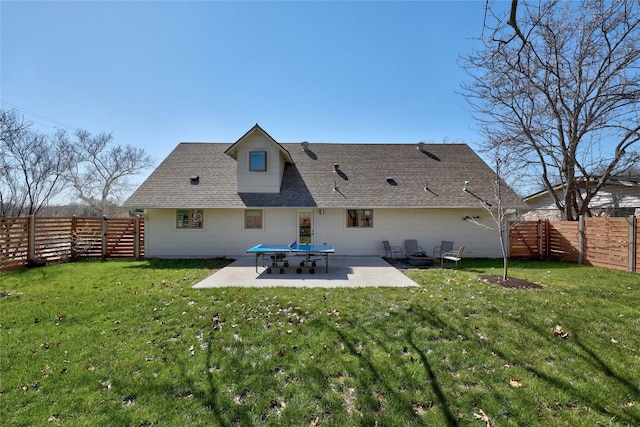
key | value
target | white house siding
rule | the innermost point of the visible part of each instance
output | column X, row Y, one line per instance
column 224, row 235
column 260, row 182
column 428, row 226
column 607, row 199
column 617, row 197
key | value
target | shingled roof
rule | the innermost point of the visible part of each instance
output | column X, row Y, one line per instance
column 366, row 176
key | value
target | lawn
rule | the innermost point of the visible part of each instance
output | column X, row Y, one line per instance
column 131, row 343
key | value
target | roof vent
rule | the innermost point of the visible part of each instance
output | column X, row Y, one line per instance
column 420, row 146
column 391, row 181
column 195, row 180
column 336, row 167
column 305, row 145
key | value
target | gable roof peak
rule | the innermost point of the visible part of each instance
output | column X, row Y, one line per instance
column 232, row 151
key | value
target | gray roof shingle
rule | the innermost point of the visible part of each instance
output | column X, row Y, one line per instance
column 369, row 175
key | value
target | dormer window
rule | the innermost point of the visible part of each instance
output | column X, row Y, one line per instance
column 258, row 161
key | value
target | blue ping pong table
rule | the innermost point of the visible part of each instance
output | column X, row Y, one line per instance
column 278, row 255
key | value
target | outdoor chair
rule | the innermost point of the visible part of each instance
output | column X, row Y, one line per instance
column 445, row 246
column 413, row 249
column 391, row 252
column 452, row 256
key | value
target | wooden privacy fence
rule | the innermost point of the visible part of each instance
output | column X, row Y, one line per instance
column 24, row 240
column 604, row 242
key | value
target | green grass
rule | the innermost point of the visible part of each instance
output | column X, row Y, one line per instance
column 131, row 343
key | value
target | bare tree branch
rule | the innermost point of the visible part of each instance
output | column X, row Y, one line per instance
column 32, row 166
column 567, row 98
column 513, row 21
column 102, row 170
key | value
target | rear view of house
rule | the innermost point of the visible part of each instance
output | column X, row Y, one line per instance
column 217, row 199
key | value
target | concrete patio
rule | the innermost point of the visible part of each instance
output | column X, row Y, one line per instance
column 344, row 271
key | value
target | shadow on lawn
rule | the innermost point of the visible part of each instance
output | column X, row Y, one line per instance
column 378, row 379
column 162, row 263
column 372, row 379
column 480, row 265
column 599, row 363
column 577, row 348
column 210, row 399
column 406, row 339
column 435, row 384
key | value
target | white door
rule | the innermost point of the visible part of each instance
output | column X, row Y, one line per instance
column 305, row 227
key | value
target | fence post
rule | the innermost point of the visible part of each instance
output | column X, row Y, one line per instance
column 32, row 238
column 547, row 239
column 540, row 240
column 74, row 227
column 632, row 242
column 136, row 236
column 104, row 236
column 580, row 239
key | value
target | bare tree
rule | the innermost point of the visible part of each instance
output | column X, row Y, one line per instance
column 504, row 204
column 101, row 172
column 11, row 125
column 32, row 166
column 560, row 83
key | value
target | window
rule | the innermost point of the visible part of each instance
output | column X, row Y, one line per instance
column 189, row 218
column 360, row 218
column 258, row 161
column 253, row 219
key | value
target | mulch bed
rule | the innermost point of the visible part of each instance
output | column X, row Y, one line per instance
column 510, row 283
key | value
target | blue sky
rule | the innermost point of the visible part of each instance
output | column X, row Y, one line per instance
column 158, row 73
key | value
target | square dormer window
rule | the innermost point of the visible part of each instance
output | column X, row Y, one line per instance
column 258, row 161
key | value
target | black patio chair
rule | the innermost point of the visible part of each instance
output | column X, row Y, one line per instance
column 413, row 249
column 445, row 246
column 391, row 252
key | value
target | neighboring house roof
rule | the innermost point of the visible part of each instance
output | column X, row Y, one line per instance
column 626, row 180
column 367, row 176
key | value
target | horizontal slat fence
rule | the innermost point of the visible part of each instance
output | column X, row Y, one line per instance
column 562, row 241
column 87, row 238
column 53, row 238
column 525, row 238
column 24, row 239
column 121, row 238
column 14, row 243
column 605, row 242
column 636, row 263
